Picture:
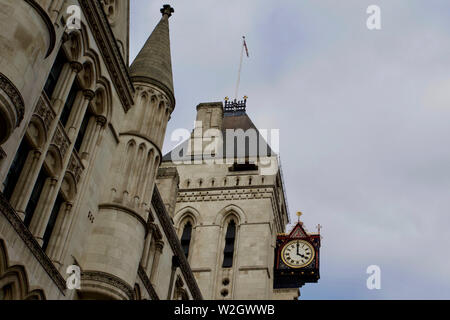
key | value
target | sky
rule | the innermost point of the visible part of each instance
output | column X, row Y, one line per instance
column 364, row 119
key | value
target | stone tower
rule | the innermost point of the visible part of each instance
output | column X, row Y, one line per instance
column 115, row 247
column 27, row 39
column 230, row 203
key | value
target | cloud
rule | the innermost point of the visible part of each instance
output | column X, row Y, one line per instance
column 364, row 118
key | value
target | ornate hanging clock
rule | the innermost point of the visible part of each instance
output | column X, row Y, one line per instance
column 296, row 258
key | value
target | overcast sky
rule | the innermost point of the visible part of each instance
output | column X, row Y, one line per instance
column 364, row 119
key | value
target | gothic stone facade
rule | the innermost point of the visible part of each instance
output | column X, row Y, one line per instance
column 81, row 133
column 80, row 141
column 230, row 210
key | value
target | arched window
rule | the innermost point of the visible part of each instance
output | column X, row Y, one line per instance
column 35, row 195
column 186, row 238
column 55, row 73
column 83, row 129
column 52, row 221
column 228, row 251
column 65, row 114
column 6, row 293
column 16, row 168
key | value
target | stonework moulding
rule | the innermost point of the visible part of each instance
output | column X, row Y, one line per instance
column 31, row 243
column 14, row 95
column 109, row 49
column 175, row 244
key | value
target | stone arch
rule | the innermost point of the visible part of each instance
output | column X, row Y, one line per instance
column 53, row 160
column 69, row 186
column 138, row 170
column 14, row 283
column 74, row 47
column 137, row 292
column 103, row 86
column 153, row 99
column 157, row 163
column 98, row 104
column 93, row 57
column 87, row 76
column 130, row 151
column 147, row 172
column 229, row 210
column 37, row 132
column 185, row 212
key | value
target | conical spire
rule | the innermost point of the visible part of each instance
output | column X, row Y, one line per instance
column 153, row 64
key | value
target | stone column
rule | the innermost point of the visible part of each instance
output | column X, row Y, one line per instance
column 175, row 265
column 43, row 210
column 92, row 136
column 159, row 249
column 56, row 245
column 32, row 167
column 77, row 114
column 24, row 187
column 146, row 253
column 64, row 85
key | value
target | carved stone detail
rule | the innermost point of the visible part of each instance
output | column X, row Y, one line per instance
column 105, row 38
column 175, row 244
column 76, row 66
column 109, row 279
column 13, row 93
column 101, row 120
column 45, row 112
column 75, row 167
column 61, row 140
column 31, row 243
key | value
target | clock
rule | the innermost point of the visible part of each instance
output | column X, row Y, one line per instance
column 297, row 253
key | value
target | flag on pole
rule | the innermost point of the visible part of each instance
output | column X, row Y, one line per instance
column 246, row 49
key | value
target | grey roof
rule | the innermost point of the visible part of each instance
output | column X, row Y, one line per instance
column 232, row 121
column 153, row 64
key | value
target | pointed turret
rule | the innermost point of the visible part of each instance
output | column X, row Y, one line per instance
column 153, row 64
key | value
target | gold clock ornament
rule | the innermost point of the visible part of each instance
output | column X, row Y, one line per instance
column 297, row 253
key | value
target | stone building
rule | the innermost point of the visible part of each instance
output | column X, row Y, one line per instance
column 228, row 204
column 83, row 182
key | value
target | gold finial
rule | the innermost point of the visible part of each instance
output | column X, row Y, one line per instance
column 299, row 213
column 226, row 98
column 245, row 97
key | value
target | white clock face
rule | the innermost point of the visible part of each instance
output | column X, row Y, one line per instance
column 297, row 253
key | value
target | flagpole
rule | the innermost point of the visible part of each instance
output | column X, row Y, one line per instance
column 240, row 69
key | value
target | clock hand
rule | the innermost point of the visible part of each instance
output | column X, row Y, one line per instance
column 298, row 248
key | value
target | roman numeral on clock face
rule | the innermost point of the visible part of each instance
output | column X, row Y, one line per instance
column 298, row 253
